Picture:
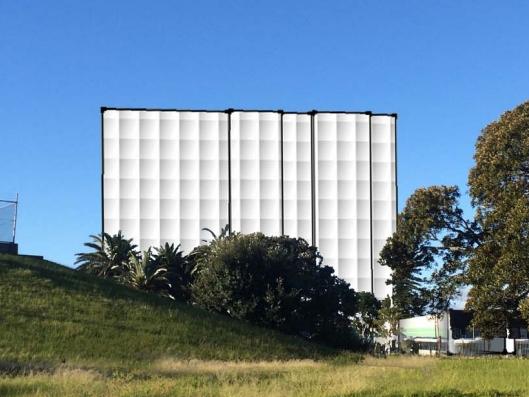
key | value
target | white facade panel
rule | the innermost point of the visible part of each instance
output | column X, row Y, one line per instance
column 343, row 227
column 327, row 176
column 256, row 172
column 166, row 175
column 297, row 194
column 384, row 195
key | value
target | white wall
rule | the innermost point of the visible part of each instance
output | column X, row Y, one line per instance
column 343, row 228
column 166, row 178
column 256, row 172
column 297, row 176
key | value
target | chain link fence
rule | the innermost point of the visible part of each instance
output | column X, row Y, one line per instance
column 8, row 216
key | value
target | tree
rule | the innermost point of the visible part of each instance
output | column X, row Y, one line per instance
column 109, row 257
column 179, row 269
column 367, row 317
column 429, row 252
column 143, row 274
column 499, row 187
column 388, row 318
column 279, row 282
column 117, row 258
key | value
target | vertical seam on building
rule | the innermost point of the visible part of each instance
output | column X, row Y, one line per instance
column 139, row 181
column 312, row 177
column 396, row 177
column 337, row 197
column 229, row 111
column 102, row 176
column 371, row 205
column 282, row 176
column 199, row 180
column 159, row 179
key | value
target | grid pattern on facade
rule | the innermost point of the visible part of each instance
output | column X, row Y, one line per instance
column 328, row 177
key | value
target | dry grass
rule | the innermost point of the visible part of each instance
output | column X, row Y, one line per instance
column 171, row 366
column 66, row 334
column 396, row 376
column 197, row 378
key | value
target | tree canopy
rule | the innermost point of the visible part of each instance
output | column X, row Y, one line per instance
column 436, row 250
column 279, row 282
column 428, row 254
column 499, row 187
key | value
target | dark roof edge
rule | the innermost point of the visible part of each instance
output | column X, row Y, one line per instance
column 231, row 110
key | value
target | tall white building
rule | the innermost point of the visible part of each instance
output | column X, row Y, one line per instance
column 329, row 177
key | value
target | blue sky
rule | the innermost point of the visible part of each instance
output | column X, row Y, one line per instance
column 447, row 68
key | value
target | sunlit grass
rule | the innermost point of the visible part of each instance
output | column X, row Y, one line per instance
column 401, row 376
column 51, row 315
column 68, row 334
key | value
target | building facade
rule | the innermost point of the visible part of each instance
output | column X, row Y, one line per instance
column 328, row 177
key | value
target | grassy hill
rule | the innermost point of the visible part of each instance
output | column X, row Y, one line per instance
column 50, row 315
column 63, row 333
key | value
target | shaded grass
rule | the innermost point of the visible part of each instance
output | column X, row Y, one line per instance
column 50, row 315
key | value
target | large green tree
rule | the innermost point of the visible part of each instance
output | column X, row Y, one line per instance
column 499, row 187
column 428, row 254
column 279, row 282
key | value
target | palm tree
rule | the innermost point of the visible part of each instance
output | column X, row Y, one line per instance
column 179, row 269
column 109, row 257
column 142, row 274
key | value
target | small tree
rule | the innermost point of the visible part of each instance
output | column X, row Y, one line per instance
column 109, row 257
column 429, row 252
column 143, row 275
column 179, row 270
column 388, row 318
column 366, row 319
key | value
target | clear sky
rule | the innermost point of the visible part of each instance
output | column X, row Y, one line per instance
column 447, row 68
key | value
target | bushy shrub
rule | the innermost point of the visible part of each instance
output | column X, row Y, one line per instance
column 279, row 282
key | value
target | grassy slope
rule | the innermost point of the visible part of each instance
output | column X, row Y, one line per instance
column 50, row 314
column 81, row 336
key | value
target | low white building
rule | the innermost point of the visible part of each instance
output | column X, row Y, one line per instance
column 453, row 333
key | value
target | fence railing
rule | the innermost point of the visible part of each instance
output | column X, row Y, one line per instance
column 8, row 220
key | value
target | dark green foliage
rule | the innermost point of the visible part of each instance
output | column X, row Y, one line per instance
column 179, row 270
column 278, row 282
column 142, row 273
column 499, row 187
column 109, row 257
column 429, row 252
column 167, row 272
column 367, row 317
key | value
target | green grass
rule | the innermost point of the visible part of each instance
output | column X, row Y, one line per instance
column 67, row 334
column 395, row 376
column 50, row 314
